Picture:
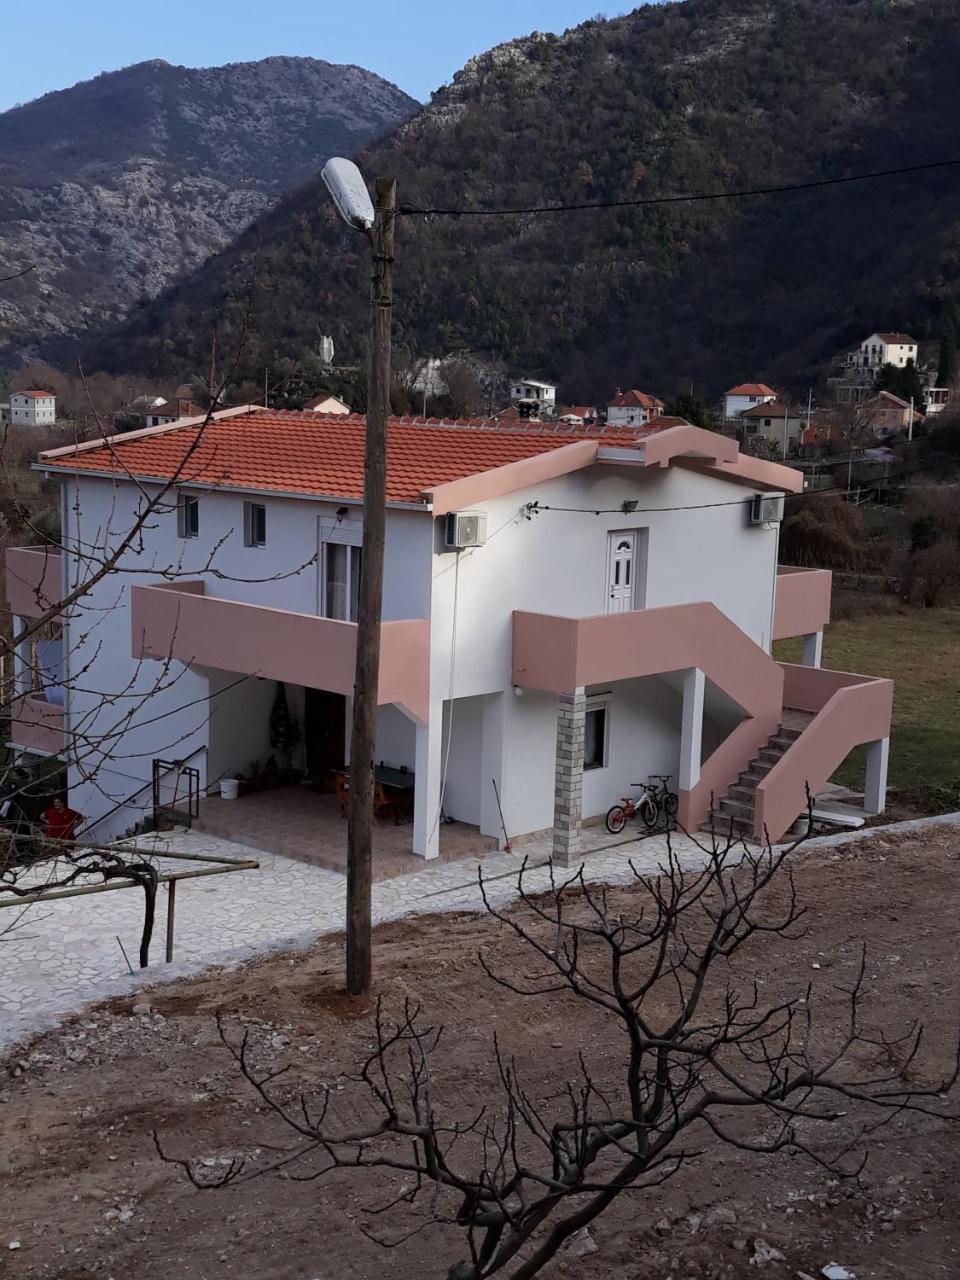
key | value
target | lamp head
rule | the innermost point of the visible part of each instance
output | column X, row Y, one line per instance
column 345, row 183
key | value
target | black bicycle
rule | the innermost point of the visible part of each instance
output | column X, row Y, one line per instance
column 657, row 803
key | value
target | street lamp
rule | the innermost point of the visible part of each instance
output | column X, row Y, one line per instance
column 345, row 183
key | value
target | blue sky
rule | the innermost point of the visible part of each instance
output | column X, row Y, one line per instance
column 417, row 44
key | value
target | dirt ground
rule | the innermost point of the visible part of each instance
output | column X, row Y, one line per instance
column 84, row 1194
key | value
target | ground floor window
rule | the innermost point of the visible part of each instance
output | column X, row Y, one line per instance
column 595, row 736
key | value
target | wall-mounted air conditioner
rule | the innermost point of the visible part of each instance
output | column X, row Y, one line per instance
column 466, row 529
column 766, row 509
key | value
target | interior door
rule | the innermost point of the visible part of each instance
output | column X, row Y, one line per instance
column 324, row 735
column 622, row 572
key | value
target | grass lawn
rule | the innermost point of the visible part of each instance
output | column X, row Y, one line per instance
column 920, row 651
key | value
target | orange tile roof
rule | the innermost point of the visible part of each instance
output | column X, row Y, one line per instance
column 751, row 389
column 37, row 395
column 308, row 453
column 632, row 399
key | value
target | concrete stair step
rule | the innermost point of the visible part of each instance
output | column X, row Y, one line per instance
column 768, row 756
column 725, row 824
column 743, row 793
column 737, row 808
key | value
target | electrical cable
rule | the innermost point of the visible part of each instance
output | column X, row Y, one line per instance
column 414, row 211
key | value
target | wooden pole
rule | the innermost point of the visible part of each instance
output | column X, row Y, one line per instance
column 363, row 733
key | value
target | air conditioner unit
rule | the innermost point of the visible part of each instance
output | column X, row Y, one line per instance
column 766, row 509
column 466, row 529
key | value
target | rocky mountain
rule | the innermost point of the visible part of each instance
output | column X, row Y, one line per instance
column 696, row 96
column 121, row 184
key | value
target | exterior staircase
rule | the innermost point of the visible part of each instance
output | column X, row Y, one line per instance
column 735, row 813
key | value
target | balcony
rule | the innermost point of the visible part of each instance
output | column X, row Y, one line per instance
column 36, row 724
column 34, row 580
column 802, row 604
column 180, row 622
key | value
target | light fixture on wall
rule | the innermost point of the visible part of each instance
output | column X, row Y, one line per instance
column 342, row 512
column 628, row 506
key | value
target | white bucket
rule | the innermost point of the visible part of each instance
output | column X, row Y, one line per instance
column 229, row 788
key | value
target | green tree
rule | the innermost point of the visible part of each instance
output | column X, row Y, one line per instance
column 905, row 383
column 693, row 409
column 947, row 370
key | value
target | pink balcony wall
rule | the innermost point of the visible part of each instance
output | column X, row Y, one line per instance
column 802, row 601
column 36, row 725
column 33, row 580
column 178, row 621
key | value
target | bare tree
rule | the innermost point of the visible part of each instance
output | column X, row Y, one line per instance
column 701, row 1059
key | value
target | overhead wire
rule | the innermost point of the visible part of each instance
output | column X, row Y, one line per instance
column 688, row 198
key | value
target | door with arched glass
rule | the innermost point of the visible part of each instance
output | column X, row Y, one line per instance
column 626, row 570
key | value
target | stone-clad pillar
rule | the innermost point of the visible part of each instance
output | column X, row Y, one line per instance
column 568, row 785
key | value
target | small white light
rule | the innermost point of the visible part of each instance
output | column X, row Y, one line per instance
column 517, row 691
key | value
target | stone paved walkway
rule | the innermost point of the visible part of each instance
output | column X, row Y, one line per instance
column 62, row 955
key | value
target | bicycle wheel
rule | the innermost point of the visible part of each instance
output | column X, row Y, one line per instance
column 671, row 803
column 616, row 819
column 649, row 812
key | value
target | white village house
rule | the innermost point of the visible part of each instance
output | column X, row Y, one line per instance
column 632, row 408
column 745, row 396
column 882, row 349
column 564, row 615
column 535, row 397
column 33, row 408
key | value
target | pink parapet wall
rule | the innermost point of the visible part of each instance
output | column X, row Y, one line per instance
column 36, row 725
column 179, row 621
column 802, row 601
column 33, row 580
column 849, row 711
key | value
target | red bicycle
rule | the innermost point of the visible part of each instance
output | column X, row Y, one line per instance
column 657, row 802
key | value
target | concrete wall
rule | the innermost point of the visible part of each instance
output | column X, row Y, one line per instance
column 239, row 724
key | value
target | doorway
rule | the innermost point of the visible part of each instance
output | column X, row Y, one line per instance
column 626, row 570
column 324, row 736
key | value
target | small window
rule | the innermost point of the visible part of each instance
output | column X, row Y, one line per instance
column 254, row 524
column 342, row 581
column 188, row 516
column 595, row 737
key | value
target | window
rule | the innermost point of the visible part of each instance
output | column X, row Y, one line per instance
column 341, row 568
column 188, row 516
column 254, row 524
column 595, row 736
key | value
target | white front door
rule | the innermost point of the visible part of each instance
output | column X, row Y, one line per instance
column 622, row 572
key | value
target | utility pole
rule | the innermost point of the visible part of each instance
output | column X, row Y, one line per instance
column 910, row 424
column 786, row 411
column 363, row 734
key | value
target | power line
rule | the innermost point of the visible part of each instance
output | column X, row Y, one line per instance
column 414, row 211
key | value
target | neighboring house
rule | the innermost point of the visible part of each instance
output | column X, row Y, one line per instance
column 154, row 411
column 533, row 398
column 743, row 397
column 577, row 415
column 326, row 404
column 33, row 408
column 632, row 408
column 881, row 349
column 775, row 422
column 887, row 415
column 534, row 664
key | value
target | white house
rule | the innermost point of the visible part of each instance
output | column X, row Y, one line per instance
column 564, row 615
column 632, row 409
column 537, row 398
column 33, row 408
column 884, row 348
column 745, row 396
column 775, row 422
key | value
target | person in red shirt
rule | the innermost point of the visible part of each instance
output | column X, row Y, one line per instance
column 61, row 822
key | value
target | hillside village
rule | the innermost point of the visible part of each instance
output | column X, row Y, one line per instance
column 480, row 770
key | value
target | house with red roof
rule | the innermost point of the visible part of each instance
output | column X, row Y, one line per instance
column 33, row 408
column 632, row 408
column 744, row 396
column 565, row 611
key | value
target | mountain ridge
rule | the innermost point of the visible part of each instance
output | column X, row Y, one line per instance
column 121, row 183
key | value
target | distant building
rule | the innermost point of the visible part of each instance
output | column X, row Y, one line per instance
column 743, row 397
column 326, row 404
column 33, row 408
column 936, row 399
column 534, row 399
column 155, row 411
column 775, row 422
column 881, row 349
column 632, row 408
column 887, row 415
column 577, row 415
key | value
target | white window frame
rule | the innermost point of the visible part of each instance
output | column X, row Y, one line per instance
column 186, row 500
column 250, row 538
column 598, row 702
column 344, row 533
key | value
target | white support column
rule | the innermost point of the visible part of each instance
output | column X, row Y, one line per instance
column 812, row 649
column 691, row 728
column 568, row 783
column 875, row 786
column 426, row 796
column 22, row 679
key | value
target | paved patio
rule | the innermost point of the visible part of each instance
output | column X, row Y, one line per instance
column 295, row 822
